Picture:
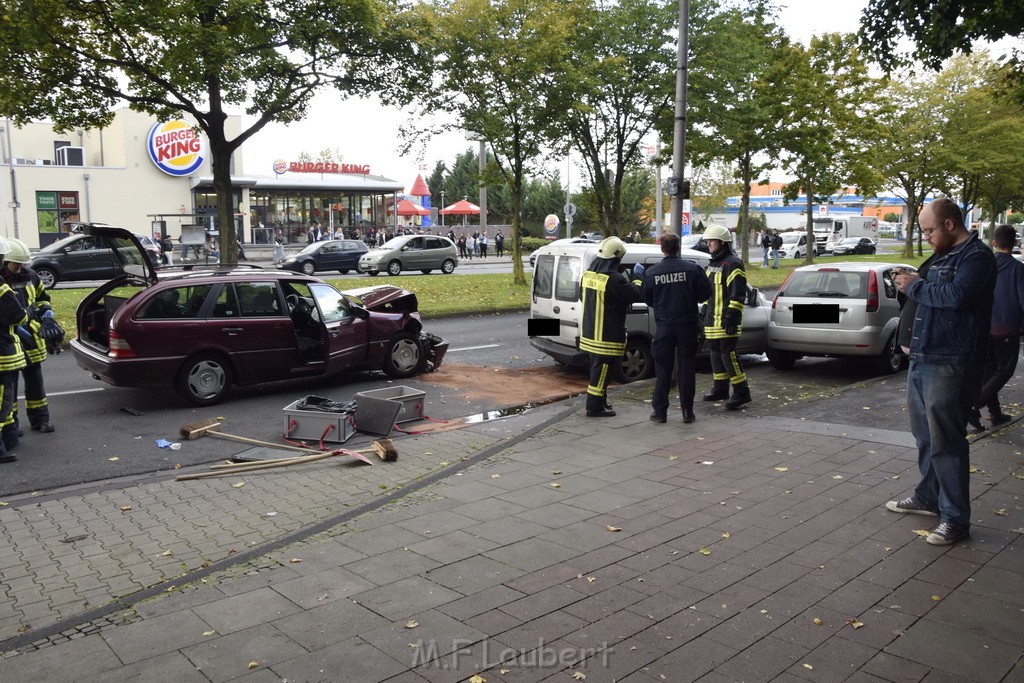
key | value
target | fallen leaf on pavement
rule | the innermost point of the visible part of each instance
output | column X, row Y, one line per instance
column 238, row 485
column 609, row 527
column 166, row 553
column 855, row 623
column 808, row 666
column 412, row 623
column 126, row 508
column 495, row 476
column 704, row 551
column 1001, row 512
column 781, row 469
column 295, row 560
column 726, row 534
column 114, row 459
column 555, row 485
column 818, row 622
column 591, row 579
column 209, row 633
column 579, row 676
column 253, row 664
column 477, row 679
column 936, row 598
column 921, row 532
column 556, row 472
column 838, row 476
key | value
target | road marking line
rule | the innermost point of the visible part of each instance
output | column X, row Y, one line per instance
column 474, row 348
column 67, row 393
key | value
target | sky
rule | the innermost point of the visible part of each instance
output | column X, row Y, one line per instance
column 367, row 132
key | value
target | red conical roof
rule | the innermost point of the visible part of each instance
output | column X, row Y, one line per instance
column 419, row 188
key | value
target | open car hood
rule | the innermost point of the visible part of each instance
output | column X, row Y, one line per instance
column 385, row 298
column 127, row 249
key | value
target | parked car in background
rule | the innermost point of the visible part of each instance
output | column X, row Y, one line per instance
column 696, row 242
column 200, row 332
column 794, row 245
column 424, row 253
column 854, row 245
column 83, row 256
column 339, row 255
column 568, row 240
column 839, row 309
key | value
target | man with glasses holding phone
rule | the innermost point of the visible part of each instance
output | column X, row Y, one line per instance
column 951, row 302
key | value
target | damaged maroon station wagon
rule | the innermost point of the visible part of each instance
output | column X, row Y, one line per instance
column 201, row 332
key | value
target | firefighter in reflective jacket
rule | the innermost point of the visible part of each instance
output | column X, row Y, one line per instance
column 31, row 295
column 607, row 295
column 723, row 320
column 12, row 360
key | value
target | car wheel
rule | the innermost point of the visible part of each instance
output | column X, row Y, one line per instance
column 394, row 268
column 636, row 363
column 448, row 267
column 426, row 271
column 781, row 360
column 308, row 268
column 404, row 356
column 372, row 273
column 47, row 277
column 891, row 360
column 872, row 251
column 204, row 379
column 343, row 271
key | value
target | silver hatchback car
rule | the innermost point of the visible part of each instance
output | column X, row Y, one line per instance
column 411, row 252
column 839, row 309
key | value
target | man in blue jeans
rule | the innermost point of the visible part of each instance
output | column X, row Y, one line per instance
column 948, row 314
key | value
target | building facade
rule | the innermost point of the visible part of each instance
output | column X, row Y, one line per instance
column 155, row 177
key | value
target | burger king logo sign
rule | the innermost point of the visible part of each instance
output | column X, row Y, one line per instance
column 176, row 147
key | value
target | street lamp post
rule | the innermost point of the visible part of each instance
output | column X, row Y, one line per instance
column 442, row 208
column 679, row 136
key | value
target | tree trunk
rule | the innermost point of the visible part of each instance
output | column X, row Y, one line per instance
column 518, row 275
column 809, row 258
column 744, row 218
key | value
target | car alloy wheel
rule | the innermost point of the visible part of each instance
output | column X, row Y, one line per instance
column 204, row 380
column 404, row 356
column 636, row 363
column 448, row 267
column 308, row 268
column 47, row 277
column 394, row 268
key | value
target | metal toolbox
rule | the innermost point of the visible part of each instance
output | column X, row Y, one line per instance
column 410, row 399
column 314, row 425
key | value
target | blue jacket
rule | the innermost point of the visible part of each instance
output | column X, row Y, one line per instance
column 954, row 305
column 1008, row 309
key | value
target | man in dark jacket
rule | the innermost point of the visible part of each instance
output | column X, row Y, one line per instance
column 723, row 321
column 950, row 313
column 776, row 247
column 674, row 287
column 607, row 295
column 1004, row 337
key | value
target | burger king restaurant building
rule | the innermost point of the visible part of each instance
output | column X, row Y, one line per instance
column 151, row 176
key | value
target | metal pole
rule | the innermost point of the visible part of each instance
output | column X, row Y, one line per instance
column 14, row 184
column 441, row 209
column 659, row 219
column 679, row 132
column 483, row 188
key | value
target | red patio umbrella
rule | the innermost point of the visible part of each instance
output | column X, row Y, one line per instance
column 407, row 208
column 462, row 208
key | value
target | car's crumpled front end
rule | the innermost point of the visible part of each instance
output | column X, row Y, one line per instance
column 401, row 303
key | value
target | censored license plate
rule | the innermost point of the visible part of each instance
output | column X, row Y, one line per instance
column 815, row 314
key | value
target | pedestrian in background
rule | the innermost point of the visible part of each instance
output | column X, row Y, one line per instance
column 723, row 320
column 776, row 247
column 483, row 245
column 766, row 245
column 1004, row 336
column 499, row 243
column 948, row 315
column 606, row 296
column 674, row 288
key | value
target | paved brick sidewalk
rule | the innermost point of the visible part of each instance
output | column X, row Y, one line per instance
column 617, row 548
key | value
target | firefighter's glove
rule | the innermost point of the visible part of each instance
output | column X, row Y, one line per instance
column 731, row 321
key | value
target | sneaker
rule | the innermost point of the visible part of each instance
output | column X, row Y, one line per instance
column 910, row 506
column 947, row 533
column 658, row 417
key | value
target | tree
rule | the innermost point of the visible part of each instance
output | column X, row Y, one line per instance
column 828, row 126
column 72, row 60
column 737, row 98
column 937, row 28
column 626, row 65
column 505, row 69
column 712, row 187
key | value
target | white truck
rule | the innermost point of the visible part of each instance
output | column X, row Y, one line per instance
column 829, row 231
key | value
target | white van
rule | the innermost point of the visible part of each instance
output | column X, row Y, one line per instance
column 555, row 295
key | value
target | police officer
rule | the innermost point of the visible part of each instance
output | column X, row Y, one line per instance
column 607, row 295
column 674, row 287
column 723, row 320
column 31, row 295
column 12, row 360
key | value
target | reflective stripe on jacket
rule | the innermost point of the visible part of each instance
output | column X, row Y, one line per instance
column 728, row 292
column 606, row 298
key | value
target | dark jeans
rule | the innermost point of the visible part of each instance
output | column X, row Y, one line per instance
column 674, row 345
column 938, row 397
column 600, row 366
column 1000, row 364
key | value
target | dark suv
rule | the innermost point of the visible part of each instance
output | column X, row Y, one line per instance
column 202, row 331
